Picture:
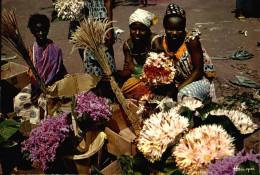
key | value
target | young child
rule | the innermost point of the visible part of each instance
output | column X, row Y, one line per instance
column 136, row 48
column 46, row 55
column 192, row 63
column 47, row 60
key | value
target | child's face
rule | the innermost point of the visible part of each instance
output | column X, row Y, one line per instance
column 40, row 32
column 175, row 28
column 138, row 31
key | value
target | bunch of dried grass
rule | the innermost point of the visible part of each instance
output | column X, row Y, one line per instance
column 11, row 37
column 90, row 36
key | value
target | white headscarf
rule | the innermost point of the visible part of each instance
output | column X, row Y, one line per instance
column 145, row 17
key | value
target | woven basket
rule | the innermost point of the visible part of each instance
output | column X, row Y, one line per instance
column 81, row 164
column 129, row 107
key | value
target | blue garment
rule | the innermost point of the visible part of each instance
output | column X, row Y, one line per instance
column 95, row 9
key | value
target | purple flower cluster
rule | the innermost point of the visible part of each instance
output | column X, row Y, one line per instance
column 46, row 138
column 92, row 105
column 228, row 165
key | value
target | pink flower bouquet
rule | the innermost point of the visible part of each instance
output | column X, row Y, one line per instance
column 44, row 140
column 90, row 110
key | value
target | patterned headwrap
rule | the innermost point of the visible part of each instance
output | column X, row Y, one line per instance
column 174, row 9
column 144, row 17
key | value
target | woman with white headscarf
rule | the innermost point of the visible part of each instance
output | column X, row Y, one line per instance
column 135, row 50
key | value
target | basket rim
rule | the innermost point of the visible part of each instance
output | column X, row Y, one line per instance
column 88, row 154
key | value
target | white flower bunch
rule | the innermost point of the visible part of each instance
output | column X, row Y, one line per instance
column 191, row 103
column 158, row 132
column 69, row 9
column 242, row 122
column 202, row 146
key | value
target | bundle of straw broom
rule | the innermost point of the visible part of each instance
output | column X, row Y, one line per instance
column 90, row 36
column 11, row 37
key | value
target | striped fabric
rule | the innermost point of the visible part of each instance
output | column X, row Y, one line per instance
column 47, row 61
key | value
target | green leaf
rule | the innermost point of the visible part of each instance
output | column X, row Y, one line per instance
column 26, row 154
column 170, row 167
column 186, row 112
column 226, row 123
column 126, row 164
column 7, row 143
column 208, row 106
column 248, row 168
column 95, row 171
column 73, row 107
column 137, row 71
column 8, row 128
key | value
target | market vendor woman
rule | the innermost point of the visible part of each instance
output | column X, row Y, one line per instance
column 194, row 67
column 135, row 51
column 47, row 60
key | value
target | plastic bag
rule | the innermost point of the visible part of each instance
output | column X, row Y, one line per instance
column 241, row 55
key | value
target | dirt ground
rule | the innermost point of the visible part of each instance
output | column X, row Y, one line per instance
column 217, row 23
column 214, row 18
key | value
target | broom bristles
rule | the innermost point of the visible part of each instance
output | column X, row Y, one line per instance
column 90, row 35
column 11, row 37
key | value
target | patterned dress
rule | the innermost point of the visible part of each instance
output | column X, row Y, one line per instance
column 200, row 89
column 48, row 62
column 96, row 9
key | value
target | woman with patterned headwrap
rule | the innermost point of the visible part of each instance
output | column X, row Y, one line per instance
column 193, row 65
column 135, row 50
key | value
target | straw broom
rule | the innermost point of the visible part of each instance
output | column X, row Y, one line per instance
column 11, row 37
column 90, row 36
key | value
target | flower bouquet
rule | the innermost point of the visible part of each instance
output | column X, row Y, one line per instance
column 63, row 135
column 192, row 137
column 69, row 9
column 43, row 145
column 90, row 111
column 158, row 69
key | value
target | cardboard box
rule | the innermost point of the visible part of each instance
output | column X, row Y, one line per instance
column 15, row 74
column 112, row 169
column 61, row 92
column 73, row 84
column 120, row 135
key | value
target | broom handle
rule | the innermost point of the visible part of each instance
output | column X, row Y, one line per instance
column 36, row 74
column 122, row 100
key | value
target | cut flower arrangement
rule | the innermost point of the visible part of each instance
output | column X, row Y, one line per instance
column 55, row 137
column 190, row 138
column 69, row 9
column 158, row 69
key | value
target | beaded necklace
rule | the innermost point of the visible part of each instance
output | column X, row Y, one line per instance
column 176, row 56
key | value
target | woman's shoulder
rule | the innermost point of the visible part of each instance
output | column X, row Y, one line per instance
column 194, row 34
column 156, row 43
column 127, row 46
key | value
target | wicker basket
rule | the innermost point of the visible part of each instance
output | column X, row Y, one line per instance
column 81, row 164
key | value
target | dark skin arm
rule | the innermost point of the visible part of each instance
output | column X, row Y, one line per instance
column 157, row 46
column 195, row 50
column 128, row 63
